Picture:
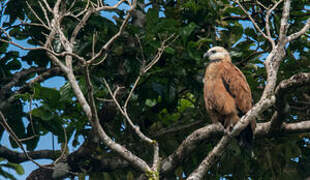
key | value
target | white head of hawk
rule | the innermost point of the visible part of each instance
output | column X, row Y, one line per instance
column 217, row 53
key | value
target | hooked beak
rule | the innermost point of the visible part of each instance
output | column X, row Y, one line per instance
column 207, row 54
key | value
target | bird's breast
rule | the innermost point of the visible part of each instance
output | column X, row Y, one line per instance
column 211, row 71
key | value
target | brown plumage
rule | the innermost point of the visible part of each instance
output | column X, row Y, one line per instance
column 227, row 94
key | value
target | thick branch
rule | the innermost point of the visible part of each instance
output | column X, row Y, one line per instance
column 284, row 87
column 263, row 130
column 189, row 145
column 219, row 149
column 284, row 25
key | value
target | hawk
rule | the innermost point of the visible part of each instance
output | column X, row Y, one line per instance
column 227, row 94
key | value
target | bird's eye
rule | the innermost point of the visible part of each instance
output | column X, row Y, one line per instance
column 213, row 51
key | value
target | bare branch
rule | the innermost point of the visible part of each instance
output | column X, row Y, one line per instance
column 40, row 78
column 263, row 130
column 109, row 43
column 123, row 110
column 85, row 9
column 261, row 4
column 6, row 126
column 148, row 67
column 36, row 15
column 63, row 54
column 47, row 6
column 189, row 144
column 299, row 33
column 56, row 8
column 45, row 14
column 254, row 23
column 100, row 7
column 131, row 92
column 63, row 148
column 267, row 22
column 285, row 86
column 124, row 113
column 80, row 25
column 160, row 51
column 284, row 19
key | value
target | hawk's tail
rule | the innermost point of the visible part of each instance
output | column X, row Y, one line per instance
column 245, row 138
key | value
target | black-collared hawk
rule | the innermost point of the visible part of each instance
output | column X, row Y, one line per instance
column 227, row 94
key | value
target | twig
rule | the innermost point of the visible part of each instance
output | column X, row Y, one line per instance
column 47, row 6
column 254, row 23
column 78, row 27
column 131, row 92
column 36, row 15
column 160, row 52
column 64, row 150
column 100, row 8
column 267, row 22
column 6, row 126
column 109, row 43
column 30, row 112
column 261, row 4
column 124, row 113
column 45, row 14
column 102, row 60
column 85, row 9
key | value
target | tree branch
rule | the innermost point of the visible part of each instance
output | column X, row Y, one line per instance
column 254, row 23
column 301, row 32
column 189, row 145
column 17, row 78
column 267, row 99
column 40, row 78
column 284, row 87
column 267, row 22
column 17, row 157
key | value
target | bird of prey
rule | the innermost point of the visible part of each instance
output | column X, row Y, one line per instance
column 227, row 94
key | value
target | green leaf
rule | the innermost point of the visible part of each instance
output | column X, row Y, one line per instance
column 3, row 47
column 50, row 96
column 42, row 113
column 170, row 50
column 17, row 167
column 187, row 31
